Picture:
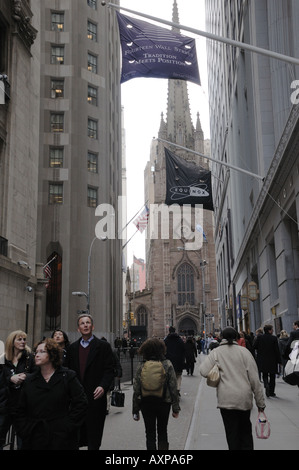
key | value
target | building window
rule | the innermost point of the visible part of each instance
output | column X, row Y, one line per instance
column 92, row 4
column 56, row 157
column 3, row 246
column 57, row 55
column 185, row 279
column 55, row 193
column 92, row 162
column 57, row 88
column 92, row 95
column 92, row 129
column 92, row 197
column 57, row 21
column 91, row 31
column 57, row 122
column 141, row 316
column 92, row 63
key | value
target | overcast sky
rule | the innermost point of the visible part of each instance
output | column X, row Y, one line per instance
column 145, row 98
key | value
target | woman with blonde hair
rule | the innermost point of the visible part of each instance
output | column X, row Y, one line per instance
column 19, row 361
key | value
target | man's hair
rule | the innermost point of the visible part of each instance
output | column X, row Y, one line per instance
column 296, row 323
column 268, row 328
column 82, row 315
column 230, row 334
column 171, row 329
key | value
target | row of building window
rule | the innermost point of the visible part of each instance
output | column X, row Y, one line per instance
column 57, row 91
column 57, row 125
column 56, row 194
column 56, row 156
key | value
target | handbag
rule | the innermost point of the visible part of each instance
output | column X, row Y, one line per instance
column 213, row 377
column 262, row 426
column 291, row 370
column 117, row 397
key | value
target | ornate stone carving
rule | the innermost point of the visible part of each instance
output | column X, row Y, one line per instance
column 22, row 15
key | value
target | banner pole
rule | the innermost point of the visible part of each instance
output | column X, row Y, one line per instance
column 233, row 167
column 214, row 37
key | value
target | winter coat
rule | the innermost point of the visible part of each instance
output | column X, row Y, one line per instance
column 239, row 380
column 171, row 393
column 294, row 336
column 49, row 414
column 26, row 364
column 175, row 351
column 99, row 371
column 268, row 354
column 190, row 351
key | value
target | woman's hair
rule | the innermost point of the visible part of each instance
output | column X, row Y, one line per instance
column 284, row 334
column 9, row 343
column 153, row 348
column 230, row 334
column 65, row 337
column 54, row 351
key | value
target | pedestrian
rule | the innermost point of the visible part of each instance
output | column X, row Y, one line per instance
column 282, row 343
column 175, row 352
column 294, row 336
column 19, row 361
column 241, row 339
column 190, row 354
column 239, row 383
column 62, row 339
column 92, row 359
column 268, row 358
column 52, row 403
column 155, row 410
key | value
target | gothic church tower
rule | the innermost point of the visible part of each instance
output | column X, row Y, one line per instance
column 182, row 282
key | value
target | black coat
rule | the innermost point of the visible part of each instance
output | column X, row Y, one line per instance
column 175, row 351
column 268, row 354
column 294, row 335
column 99, row 371
column 190, row 351
column 49, row 414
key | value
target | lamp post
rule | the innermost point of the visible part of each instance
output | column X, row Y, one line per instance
column 84, row 294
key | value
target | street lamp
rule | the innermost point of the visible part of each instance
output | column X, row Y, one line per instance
column 84, row 294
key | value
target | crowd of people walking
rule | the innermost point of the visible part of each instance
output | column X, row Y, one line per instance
column 55, row 397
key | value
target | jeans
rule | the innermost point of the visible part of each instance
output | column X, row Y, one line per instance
column 238, row 429
column 155, row 413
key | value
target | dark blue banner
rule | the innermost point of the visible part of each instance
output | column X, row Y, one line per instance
column 187, row 183
column 151, row 51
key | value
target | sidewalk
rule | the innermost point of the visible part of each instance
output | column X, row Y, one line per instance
column 199, row 426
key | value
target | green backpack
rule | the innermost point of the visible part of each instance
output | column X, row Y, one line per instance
column 153, row 379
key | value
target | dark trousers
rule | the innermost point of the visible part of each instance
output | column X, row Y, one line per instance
column 269, row 382
column 155, row 414
column 238, row 429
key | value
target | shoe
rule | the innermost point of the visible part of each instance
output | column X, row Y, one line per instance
column 272, row 394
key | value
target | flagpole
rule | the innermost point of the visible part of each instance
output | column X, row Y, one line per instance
column 214, row 37
column 233, row 167
column 130, row 239
column 132, row 219
column 54, row 257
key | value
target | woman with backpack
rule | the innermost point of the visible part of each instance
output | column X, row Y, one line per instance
column 155, row 392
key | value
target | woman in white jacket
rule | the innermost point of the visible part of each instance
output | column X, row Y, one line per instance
column 239, row 382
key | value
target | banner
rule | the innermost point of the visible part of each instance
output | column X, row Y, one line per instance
column 187, row 183
column 152, row 51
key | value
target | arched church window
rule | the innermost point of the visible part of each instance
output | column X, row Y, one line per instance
column 141, row 316
column 185, row 278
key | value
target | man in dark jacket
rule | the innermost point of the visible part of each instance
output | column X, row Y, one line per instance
column 294, row 336
column 268, row 358
column 92, row 359
column 175, row 347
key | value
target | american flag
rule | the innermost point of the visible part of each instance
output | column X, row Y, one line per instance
column 142, row 220
column 47, row 271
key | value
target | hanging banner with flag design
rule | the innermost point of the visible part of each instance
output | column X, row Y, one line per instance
column 187, row 183
column 152, row 51
column 142, row 220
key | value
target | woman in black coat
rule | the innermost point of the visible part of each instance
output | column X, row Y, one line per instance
column 268, row 358
column 191, row 353
column 52, row 404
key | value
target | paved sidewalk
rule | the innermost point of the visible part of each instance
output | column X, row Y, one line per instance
column 199, row 426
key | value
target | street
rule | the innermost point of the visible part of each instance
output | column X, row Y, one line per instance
column 199, row 425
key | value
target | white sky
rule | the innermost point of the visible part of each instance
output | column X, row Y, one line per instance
column 145, row 98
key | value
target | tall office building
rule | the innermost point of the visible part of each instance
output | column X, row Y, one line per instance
column 80, row 164
column 60, row 159
column 254, row 126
